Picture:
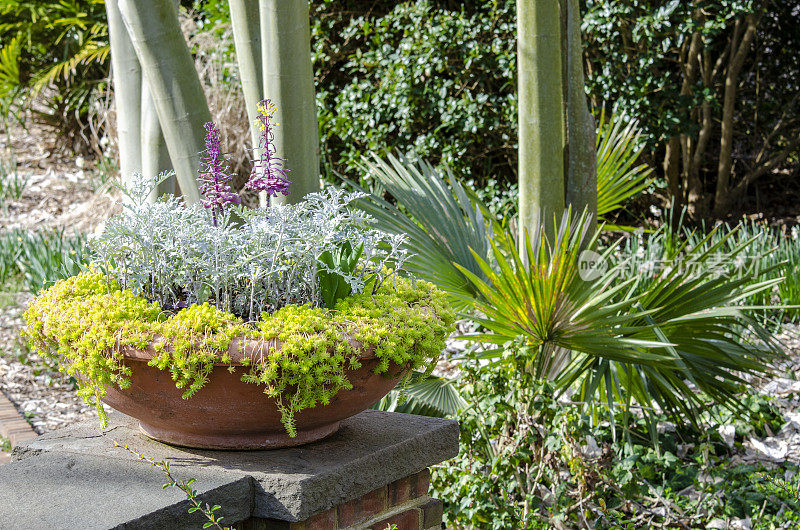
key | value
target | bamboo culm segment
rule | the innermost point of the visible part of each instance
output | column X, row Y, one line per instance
column 541, row 114
column 289, row 82
column 177, row 93
column 127, row 83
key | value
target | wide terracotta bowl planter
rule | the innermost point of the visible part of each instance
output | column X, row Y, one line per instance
column 229, row 414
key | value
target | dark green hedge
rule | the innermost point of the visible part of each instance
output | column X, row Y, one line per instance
column 436, row 79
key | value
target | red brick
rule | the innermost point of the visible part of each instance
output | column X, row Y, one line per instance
column 9, row 426
column 18, row 420
column 256, row 523
column 322, row 521
column 18, row 437
column 9, row 414
column 6, row 405
column 407, row 520
column 15, row 424
column 366, row 506
column 8, row 409
column 432, row 513
column 409, row 488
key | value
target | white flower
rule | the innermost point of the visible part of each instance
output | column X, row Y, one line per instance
column 640, row 252
column 795, row 233
column 655, row 210
column 647, row 267
column 80, row 162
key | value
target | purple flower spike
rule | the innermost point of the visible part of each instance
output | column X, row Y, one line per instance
column 214, row 177
column 268, row 173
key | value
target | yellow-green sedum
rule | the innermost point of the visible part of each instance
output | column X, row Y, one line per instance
column 86, row 321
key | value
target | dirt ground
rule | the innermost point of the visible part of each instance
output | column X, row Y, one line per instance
column 60, row 190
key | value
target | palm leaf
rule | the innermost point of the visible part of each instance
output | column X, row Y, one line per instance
column 618, row 176
column 426, row 395
column 443, row 226
column 543, row 299
column 665, row 342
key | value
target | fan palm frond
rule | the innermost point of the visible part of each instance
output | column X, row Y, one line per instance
column 443, row 226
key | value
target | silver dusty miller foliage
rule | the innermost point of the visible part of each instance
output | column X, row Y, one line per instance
column 253, row 260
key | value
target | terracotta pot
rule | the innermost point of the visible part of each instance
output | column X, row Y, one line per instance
column 229, row 414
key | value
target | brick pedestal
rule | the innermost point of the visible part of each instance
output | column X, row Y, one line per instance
column 371, row 474
column 404, row 503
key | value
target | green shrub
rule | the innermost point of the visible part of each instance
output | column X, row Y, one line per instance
column 40, row 257
column 58, row 46
column 425, row 78
column 12, row 183
column 632, row 47
column 529, row 461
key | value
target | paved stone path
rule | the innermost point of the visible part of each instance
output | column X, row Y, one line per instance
column 12, row 427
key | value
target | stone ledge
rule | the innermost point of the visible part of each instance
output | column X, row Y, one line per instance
column 371, row 450
column 60, row 491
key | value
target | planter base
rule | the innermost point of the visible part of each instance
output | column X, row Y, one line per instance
column 233, row 442
column 230, row 414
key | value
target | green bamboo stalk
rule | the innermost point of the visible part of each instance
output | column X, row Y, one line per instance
column 247, row 41
column 127, row 83
column 167, row 65
column 155, row 156
column 289, row 83
column 541, row 113
column 581, row 177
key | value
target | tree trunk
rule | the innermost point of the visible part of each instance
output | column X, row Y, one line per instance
column 706, row 124
column 170, row 73
column 127, row 83
column 581, row 177
column 672, row 171
column 289, row 83
column 247, row 40
column 541, row 114
column 737, row 57
column 765, row 166
column 693, row 187
column 155, row 156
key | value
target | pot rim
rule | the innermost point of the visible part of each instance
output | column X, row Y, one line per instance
column 239, row 349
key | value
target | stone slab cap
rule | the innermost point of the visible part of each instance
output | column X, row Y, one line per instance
column 369, row 451
column 64, row 491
